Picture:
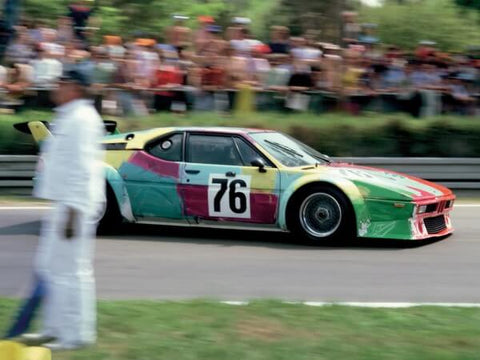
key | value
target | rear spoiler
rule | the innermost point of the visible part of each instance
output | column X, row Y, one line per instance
column 40, row 129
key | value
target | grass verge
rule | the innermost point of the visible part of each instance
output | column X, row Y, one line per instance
column 201, row 329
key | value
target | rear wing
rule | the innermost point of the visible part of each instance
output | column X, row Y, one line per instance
column 38, row 129
column 41, row 129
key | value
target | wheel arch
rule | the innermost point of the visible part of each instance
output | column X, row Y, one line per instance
column 346, row 187
column 119, row 189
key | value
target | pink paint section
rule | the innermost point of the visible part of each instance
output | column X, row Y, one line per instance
column 423, row 194
column 155, row 165
column 195, row 200
column 263, row 207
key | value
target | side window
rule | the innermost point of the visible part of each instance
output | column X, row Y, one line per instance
column 210, row 149
column 168, row 148
column 247, row 153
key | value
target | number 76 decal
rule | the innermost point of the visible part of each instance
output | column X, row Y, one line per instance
column 229, row 196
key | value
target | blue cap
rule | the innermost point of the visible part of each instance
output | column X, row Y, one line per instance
column 214, row 28
column 76, row 76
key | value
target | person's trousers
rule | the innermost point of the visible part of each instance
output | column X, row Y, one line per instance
column 69, row 309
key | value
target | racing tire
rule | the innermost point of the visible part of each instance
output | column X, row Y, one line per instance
column 112, row 218
column 321, row 215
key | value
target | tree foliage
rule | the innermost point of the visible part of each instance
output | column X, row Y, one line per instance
column 152, row 16
column 474, row 4
column 127, row 17
column 320, row 16
column 441, row 21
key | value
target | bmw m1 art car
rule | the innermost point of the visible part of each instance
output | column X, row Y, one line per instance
column 262, row 179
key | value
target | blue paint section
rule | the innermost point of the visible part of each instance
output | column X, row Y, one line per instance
column 286, row 178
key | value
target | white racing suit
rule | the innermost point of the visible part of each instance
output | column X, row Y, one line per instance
column 71, row 176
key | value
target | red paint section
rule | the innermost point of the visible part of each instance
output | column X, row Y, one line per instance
column 263, row 207
column 155, row 165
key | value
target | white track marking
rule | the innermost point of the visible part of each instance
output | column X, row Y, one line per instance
column 389, row 305
column 236, row 303
column 466, row 205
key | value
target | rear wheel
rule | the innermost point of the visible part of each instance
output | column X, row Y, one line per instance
column 112, row 217
column 320, row 214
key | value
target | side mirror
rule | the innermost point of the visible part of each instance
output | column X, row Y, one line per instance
column 260, row 164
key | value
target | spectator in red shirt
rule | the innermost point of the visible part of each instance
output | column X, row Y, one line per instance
column 167, row 77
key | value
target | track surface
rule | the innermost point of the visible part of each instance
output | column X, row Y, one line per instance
column 175, row 263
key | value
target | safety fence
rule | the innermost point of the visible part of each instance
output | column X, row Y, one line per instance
column 17, row 171
column 127, row 101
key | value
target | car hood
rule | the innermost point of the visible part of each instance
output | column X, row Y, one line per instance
column 383, row 184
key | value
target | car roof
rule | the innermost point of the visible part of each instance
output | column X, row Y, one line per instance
column 141, row 137
column 222, row 129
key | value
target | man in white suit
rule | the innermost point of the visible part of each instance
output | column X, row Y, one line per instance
column 71, row 176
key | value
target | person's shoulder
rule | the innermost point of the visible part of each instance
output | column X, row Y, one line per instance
column 86, row 111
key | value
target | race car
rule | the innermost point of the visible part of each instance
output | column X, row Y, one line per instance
column 238, row 178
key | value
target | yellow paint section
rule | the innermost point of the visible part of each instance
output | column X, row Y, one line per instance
column 116, row 158
column 263, row 181
column 39, row 130
column 141, row 138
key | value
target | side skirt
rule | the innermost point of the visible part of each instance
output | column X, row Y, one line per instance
column 209, row 224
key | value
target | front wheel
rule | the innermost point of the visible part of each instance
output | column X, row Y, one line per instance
column 321, row 214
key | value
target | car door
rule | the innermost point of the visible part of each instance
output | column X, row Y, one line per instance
column 152, row 177
column 220, row 184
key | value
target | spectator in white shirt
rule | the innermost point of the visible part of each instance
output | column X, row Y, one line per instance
column 244, row 44
column 50, row 43
column 46, row 69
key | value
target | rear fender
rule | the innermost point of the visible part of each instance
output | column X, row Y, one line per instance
column 115, row 181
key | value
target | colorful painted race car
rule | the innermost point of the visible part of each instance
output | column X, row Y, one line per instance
column 261, row 179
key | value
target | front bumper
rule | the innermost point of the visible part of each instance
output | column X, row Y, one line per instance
column 400, row 220
column 435, row 223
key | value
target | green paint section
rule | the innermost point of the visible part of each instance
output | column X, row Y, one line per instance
column 151, row 195
column 378, row 183
column 385, row 220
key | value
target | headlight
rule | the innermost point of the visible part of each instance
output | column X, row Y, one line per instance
column 421, row 209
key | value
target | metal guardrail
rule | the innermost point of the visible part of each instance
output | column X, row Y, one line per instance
column 16, row 171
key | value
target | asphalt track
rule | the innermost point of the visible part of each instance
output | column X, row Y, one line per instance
column 177, row 263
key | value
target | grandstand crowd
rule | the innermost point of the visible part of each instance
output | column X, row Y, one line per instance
column 215, row 68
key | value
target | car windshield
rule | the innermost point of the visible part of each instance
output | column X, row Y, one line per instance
column 289, row 151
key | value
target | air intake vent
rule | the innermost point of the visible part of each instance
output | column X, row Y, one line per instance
column 436, row 224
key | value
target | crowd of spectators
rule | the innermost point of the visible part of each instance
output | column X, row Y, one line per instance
column 212, row 68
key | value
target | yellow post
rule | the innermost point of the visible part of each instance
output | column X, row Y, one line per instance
column 245, row 99
column 10, row 350
column 36, row 353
